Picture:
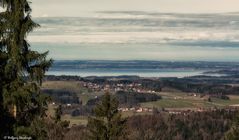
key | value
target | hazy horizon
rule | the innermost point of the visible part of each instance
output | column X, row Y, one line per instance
column 81, row 8
column 162, row 30
column 140, row 35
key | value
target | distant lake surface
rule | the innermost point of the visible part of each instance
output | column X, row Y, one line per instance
column 136, row 72
column 132, row 68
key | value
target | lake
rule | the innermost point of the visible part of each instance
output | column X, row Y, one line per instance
column 86, row 68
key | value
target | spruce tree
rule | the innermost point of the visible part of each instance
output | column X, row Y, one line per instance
column 107, row 123
column 6, row 120
column 22, row 69
column 58, row 113
column 233, row 133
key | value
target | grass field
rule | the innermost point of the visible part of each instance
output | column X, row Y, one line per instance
column 79, row 120
column 83, row 93
column 182, row 100
column 83, row 120
column 171, row 99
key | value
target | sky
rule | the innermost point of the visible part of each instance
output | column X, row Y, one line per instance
column 82, row 7
column 147, row 31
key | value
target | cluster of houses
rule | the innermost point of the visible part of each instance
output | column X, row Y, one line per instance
column 136, row 109
column 170, row 111
column 135, row 87
column 185, row 112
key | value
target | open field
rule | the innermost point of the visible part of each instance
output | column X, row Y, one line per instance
column 182, row 100
column 80, row 120
column 83, row 93
column 83, row 120
column 171, row 99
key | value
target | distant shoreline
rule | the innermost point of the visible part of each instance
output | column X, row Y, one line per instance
column 101, row 68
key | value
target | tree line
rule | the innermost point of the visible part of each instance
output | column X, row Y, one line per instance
column 23, row 106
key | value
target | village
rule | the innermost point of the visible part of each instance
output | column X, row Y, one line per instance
column 134, row 87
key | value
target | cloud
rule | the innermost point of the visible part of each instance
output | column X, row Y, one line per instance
column 79, row 7
column 44, row 15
